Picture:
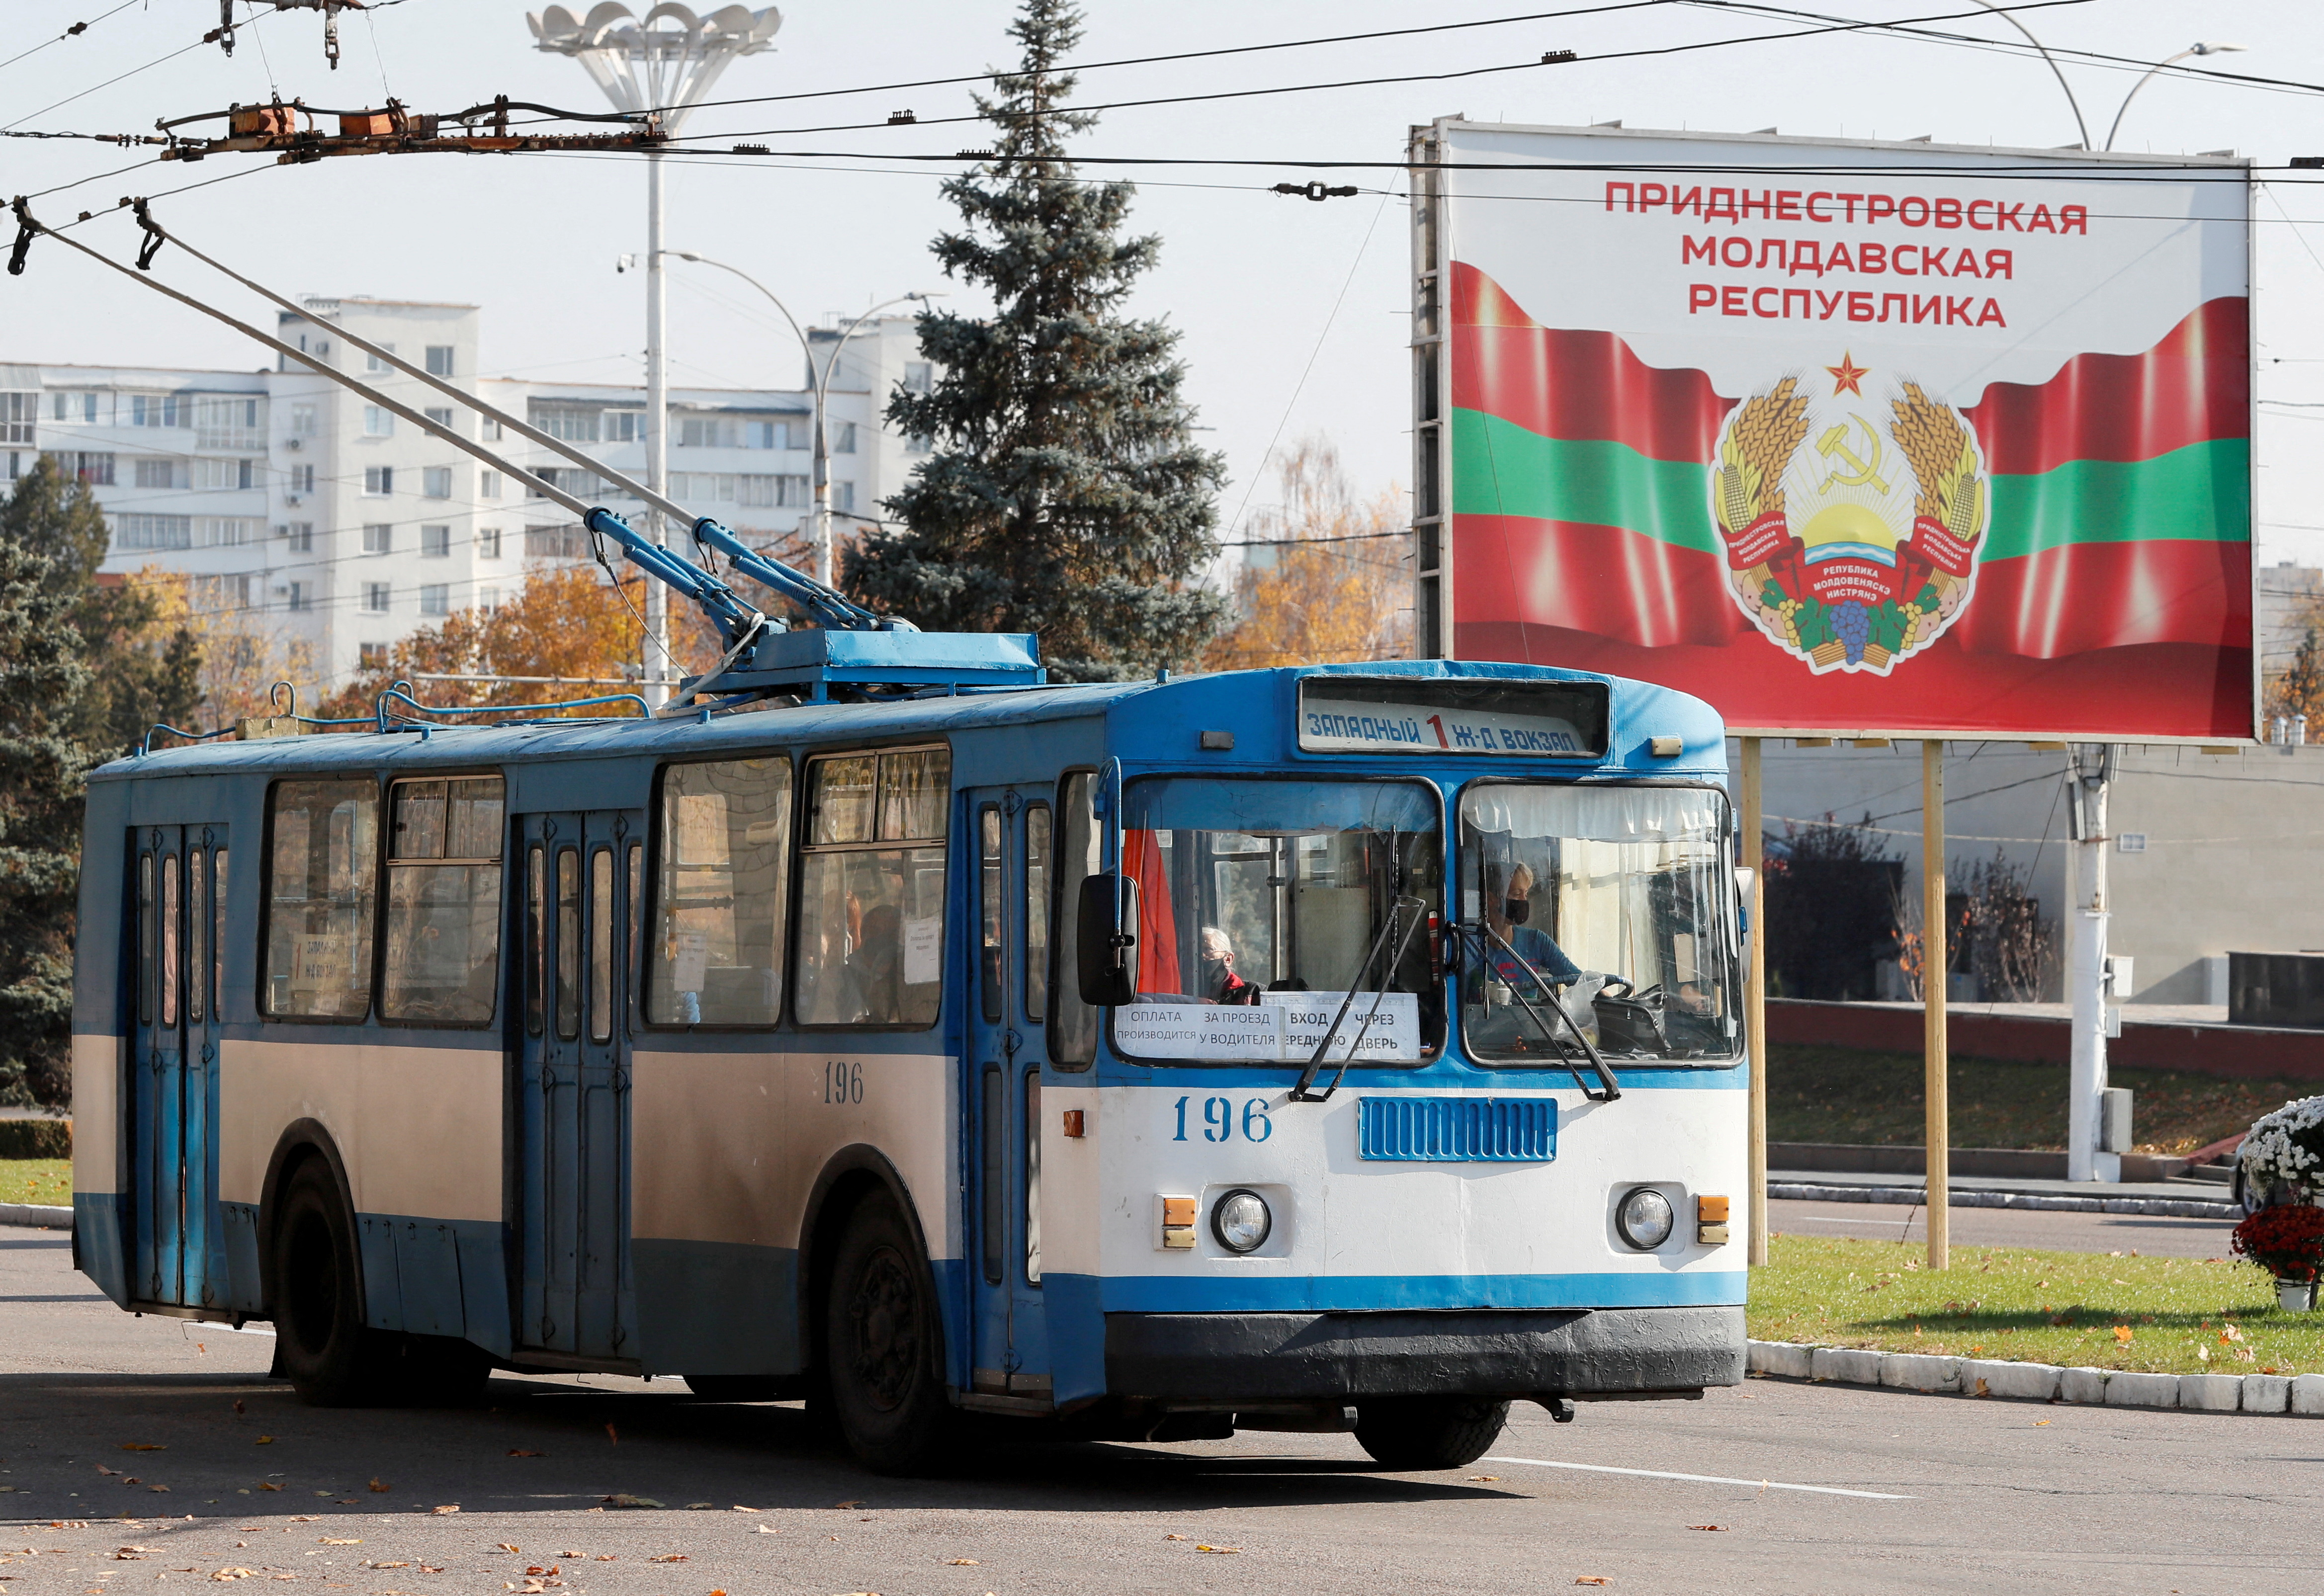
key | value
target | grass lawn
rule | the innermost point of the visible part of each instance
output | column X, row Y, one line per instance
column 1817, row 1093
column 36, row 1180
column 2175, row 1315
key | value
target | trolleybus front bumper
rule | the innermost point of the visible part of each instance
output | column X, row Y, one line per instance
column 1210, row 1359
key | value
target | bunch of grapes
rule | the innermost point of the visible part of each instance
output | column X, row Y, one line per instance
column 1852, row 623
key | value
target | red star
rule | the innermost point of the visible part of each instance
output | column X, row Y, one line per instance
column 1847, row 375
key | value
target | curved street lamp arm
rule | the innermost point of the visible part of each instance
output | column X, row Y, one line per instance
column 2081, row 126
column 2142, row 83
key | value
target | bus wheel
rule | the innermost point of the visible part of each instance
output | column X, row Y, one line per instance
column 320, row 1340
column 1429, row 1432
column 881, row 1338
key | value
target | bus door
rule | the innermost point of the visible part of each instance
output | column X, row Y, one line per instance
column 1008, row 1001
column 580, row 872
column 177, row 1243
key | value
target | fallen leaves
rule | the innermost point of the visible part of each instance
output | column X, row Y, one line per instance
column 1173, row 1537
column 670, row 1557
column 622, row 1499
column 1222, row 1551
column 224, row 1574
column 448, row 1507
column 1588, row 1579
column 961, row 1562
column 847, row 1504
column 381, row 1485
column 505, row 1546
column 739, row 1508
column 613, row 1434
column 697, row 1506
column 142, row 1446
column 1486, row 1478
column 521, row 1452
column 333, row 1540
column 1709, row 1526
column 2122, row 1334
column 264, row 1441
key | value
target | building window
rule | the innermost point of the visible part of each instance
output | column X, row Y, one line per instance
column 567, row 423
column 843, row 439
column 566, row 541
column 488, row 598
column 300, row 534
column 222, row 531
column 919, row 444
column 441, row 414
column 488, row 484
column 703, row 487
column 156, row 473
column 208, row 473
column 379, row 422
column 373, row 363
column 919, row 377
column 708, row 432
column 302, row 481
column 625, row 426
column 375, row 598
column 372, row 656
column 435, row 598
column 302, row 596
column 488, row 429
column 434, row 542
column 842, row 496
column 488, row 542
column 226, row 423
column 793, row 492
column 766, row 435
column 379, row 480
column 302, row 420
column 378, row 538
column 87, row 465
column 439, row 360
column 435, row 482
column 759, row 491
column 18, row 411
column 155, row 410
column 321, row 886
column 153, row 531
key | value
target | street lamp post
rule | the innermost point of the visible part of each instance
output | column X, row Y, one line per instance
column 824, row 545
column 664, row 65
column 2202, row 47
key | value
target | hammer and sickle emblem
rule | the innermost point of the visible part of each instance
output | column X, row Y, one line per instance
column 1866, row 471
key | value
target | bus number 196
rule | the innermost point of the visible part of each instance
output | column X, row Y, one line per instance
column 1219, row 1119
column 842, row 1082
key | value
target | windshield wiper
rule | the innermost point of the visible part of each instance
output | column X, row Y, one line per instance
column 1300, row 1093
column 1596, row 1062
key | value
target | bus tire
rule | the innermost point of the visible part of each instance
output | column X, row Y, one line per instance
column 1413, row 1432
column 882, row 1344
column 330, row 1356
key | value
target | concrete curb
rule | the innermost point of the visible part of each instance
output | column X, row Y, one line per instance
column 2161, row 1207
column 1934, row 1373
column 38, row 1215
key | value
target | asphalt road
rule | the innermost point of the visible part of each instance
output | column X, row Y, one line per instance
column 1811, row 1489
column 2009, row 1227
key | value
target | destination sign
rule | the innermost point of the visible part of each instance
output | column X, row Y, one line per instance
column 1526, row 720
column 1286, row 1028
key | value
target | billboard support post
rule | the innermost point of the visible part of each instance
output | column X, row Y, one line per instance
column 1935, row 964
column 1752, row 857
column 2086, row 964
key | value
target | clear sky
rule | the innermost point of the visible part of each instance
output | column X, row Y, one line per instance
column 1294, row 313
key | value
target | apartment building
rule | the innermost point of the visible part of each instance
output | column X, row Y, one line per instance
column 322, row 519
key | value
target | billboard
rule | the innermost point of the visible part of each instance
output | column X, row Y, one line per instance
column 1842, row 437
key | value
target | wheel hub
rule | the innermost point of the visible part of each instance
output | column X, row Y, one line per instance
column 887, row 1352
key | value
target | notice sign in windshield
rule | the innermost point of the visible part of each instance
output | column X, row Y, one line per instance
column 1286, row 1028
column 1535, row 720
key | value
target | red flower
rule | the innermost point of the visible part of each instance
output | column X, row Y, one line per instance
column 2286, row 1242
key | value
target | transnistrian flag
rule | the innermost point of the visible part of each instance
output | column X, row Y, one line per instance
column 1841, row 438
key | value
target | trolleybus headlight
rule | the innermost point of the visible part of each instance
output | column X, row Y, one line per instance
column 1645, row 1219
column 1240, row 1221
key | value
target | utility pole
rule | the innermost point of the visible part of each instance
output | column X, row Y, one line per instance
column 2087, row 780
column 657, row 626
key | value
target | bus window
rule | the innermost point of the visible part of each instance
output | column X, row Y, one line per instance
column 630, row 926
column 723, row 889
column 1615, row 899
column 1072, row 1036
column 996, row 1174
column 992, row 971
column 198, row 939
column 321, row 889
column 568, row 944
column 217, row 923
column 170, row 939
column 601, row 945
column 872, row 889
column 443, row 900
column 1036, row 912
column 536, row 931
column 144, row 939
column 1032, row 1178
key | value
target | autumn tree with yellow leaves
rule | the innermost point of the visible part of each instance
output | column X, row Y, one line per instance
column 1324, row 575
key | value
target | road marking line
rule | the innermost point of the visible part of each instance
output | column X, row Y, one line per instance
column 1881, row 1495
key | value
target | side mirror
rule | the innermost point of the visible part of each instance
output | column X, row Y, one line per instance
column 1105, row 940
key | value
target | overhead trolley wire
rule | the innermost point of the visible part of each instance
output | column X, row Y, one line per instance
column 73, row 32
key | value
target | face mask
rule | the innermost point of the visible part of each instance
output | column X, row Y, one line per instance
column 1214, row 971
column 1516, row 910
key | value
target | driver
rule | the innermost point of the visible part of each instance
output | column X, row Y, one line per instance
column 1508, row 904
column 1221, row 984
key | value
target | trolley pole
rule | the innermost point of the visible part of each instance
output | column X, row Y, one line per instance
column 657, row 619
column 1752, row 856
column 1934, row 959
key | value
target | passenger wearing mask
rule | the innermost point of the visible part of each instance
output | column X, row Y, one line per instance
column 1220, row 983
column 1509, row 905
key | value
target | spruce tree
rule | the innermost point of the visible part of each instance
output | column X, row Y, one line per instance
column 1065, row 495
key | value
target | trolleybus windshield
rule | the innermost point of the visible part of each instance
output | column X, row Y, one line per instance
column 1611, row 901
column 1259, row 904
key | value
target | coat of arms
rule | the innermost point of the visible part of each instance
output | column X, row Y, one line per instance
column 1852, row 529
